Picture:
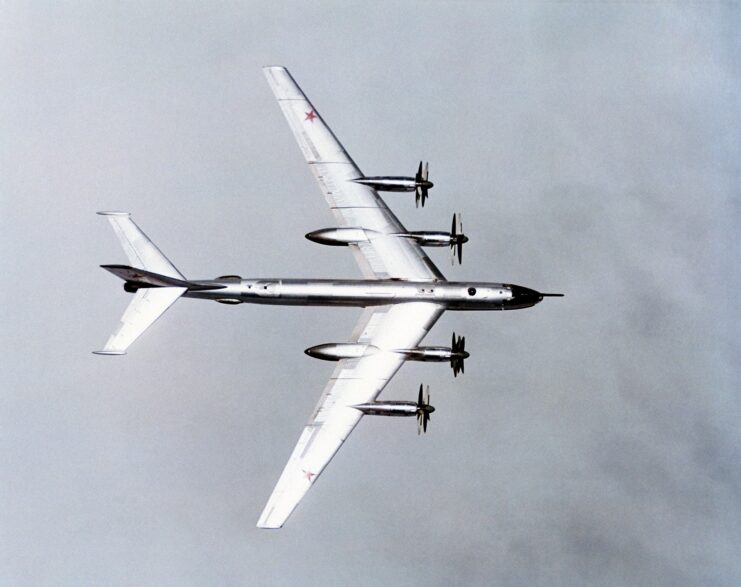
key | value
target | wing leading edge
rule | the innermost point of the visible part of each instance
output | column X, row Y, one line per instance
column 382, row 256
column 353, row 382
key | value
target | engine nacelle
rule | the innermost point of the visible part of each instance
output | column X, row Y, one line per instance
column 339, row 351
column 434, row 354
column 338, row 237
column 430, row 238
column 389, row 408
column 420, row 183
column 390, row 183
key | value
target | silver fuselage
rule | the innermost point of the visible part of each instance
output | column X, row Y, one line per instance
column 348, row 292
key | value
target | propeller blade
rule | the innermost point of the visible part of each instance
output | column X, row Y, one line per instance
column 418, row 175
column 454, row 252
column 426, row 174
column 420, row 195
column 457, row 360
column 423, row 409
column 457, row 238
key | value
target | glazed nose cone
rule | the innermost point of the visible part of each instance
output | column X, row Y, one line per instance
column 525, row 295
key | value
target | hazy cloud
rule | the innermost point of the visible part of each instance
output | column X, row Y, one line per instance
column 592, row 148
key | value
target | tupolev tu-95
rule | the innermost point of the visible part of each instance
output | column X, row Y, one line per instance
column 402, row 294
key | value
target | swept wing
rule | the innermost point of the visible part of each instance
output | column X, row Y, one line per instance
column 387, row 328
column 354, row 381
column 354, row 205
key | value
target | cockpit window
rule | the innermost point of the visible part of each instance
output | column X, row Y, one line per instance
column 471, row 291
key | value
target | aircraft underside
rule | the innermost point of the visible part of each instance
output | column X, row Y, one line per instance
column 402, row 293
column 360, row 293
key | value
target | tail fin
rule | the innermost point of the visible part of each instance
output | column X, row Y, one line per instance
column 160, row 283
column 141, row 251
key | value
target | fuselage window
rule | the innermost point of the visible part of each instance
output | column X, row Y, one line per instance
column 471, row 291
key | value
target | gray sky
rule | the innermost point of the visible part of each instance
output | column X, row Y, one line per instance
column 592, row 148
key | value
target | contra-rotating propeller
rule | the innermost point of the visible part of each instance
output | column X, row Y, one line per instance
column 422, row 184
column 459, row 355
column 424, row 409
column 457, row 238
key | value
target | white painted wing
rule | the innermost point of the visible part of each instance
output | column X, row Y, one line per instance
column 353, row 382
column 354, row 205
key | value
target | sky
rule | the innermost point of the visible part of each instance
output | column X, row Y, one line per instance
column 592, row 149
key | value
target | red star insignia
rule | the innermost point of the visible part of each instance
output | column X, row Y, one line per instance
column 309, row 474
column 310, row 116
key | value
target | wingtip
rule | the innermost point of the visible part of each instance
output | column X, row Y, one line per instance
column 113, row 213
column 274, row 67
column 111, row 353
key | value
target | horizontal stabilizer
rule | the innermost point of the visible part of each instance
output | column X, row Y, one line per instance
column 142, row 276
column 149, row 303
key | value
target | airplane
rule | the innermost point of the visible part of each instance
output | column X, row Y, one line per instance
column 402, row 294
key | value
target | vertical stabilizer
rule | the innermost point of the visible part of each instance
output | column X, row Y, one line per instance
column 141, row 251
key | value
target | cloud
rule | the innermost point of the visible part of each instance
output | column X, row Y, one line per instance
column 592, row 148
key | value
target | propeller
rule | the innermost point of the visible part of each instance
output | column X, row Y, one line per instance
column 458, row 346
column 424, row 409
column 457, row 238
column 422, row 184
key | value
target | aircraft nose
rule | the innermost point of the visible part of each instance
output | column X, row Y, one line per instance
column 525, row 296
